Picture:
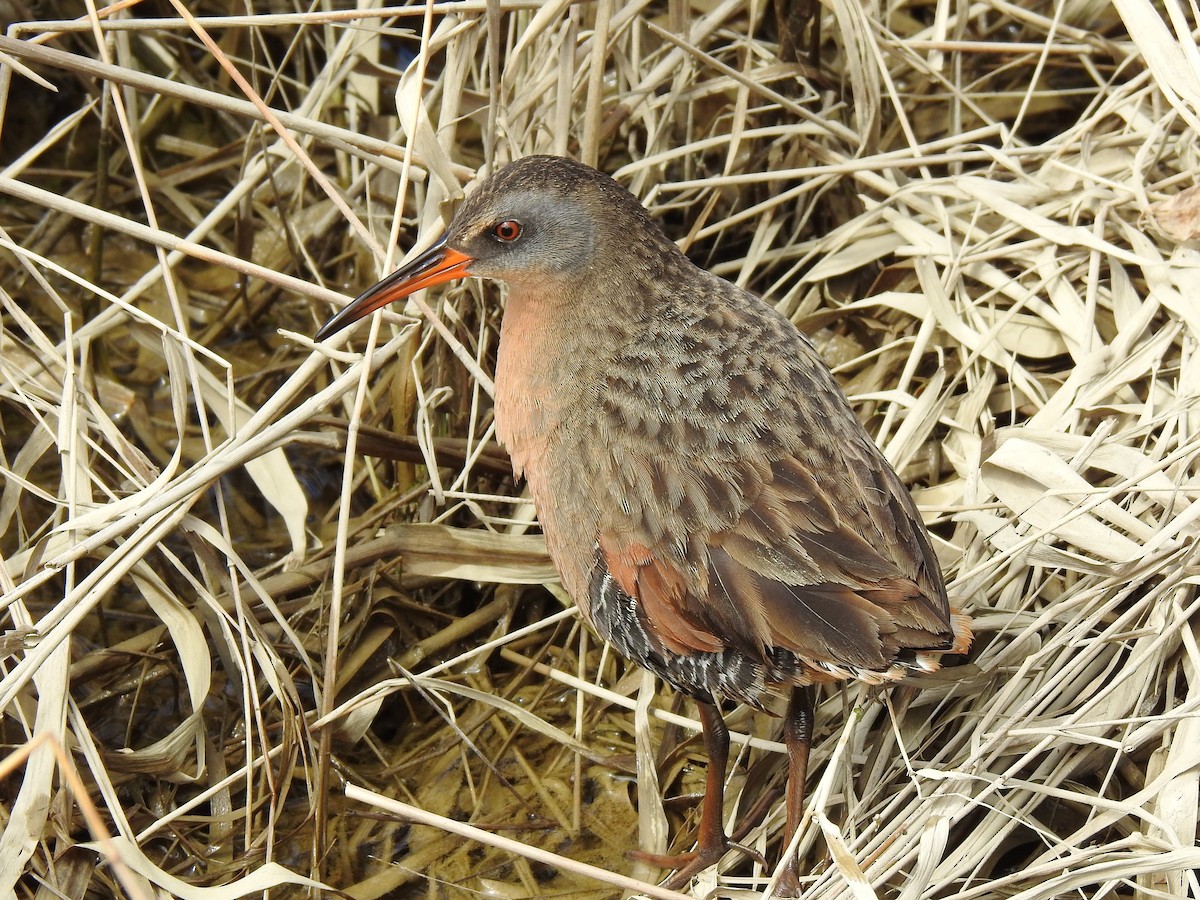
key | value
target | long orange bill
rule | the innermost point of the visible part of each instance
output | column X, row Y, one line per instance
column 437, row 264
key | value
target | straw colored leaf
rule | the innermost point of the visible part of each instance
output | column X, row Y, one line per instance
column 1043, row 491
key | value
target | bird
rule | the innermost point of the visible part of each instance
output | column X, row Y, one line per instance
column 708, row 497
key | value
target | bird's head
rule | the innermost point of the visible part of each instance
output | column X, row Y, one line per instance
column 542, row 221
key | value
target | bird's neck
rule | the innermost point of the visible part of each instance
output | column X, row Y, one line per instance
column 544, row 367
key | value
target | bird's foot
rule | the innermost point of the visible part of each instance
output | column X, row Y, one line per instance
column 687, row 866
column 788, row 886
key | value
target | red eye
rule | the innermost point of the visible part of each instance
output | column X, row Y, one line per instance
column 508, row 230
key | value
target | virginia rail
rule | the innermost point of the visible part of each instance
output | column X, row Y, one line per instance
column 709, row 498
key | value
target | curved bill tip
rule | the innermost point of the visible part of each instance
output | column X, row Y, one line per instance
column 433, row 266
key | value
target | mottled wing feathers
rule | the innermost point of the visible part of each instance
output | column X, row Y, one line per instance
column 773, row 524
column 874, row 541
column 794, row 573
column 821, row 622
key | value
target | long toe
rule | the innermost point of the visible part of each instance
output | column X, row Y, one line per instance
column 687, row 866
column 788, row 887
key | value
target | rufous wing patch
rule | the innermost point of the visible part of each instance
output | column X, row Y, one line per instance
column 623, row 559
column 661, row 590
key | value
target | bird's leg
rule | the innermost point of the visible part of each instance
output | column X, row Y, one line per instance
column 711, row 842
column 797, row 735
